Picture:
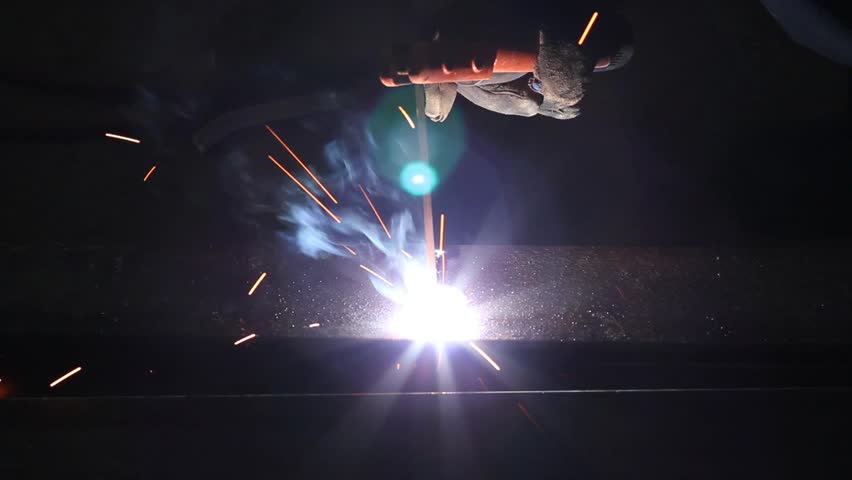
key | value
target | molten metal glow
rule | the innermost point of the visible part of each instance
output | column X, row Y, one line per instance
column 122, row 137
column 149, row 173
column 441, row 248
column 245, row 339
column 397, row 366
column 350, row 250
column 336, row 219
column 431, row 312
column 65, row 377
column 376, row 275
column 293, row 154
column 484, row 355
column 588, row 28
column 259, row 279
column 407, row 117
column 374, row 210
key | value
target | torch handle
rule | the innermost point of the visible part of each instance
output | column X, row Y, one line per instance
column 442, row 62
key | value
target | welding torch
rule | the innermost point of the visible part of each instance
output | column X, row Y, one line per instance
column 441, row 62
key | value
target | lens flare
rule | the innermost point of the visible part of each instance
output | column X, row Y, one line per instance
column 418, row 178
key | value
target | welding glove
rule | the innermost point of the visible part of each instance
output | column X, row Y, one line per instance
column 559, row 81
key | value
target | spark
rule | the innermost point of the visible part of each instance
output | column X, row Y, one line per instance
column 65, row 377
column 149, row 173
column 245, row 339
column 441, row 248
column 313, row 325
column 588, row 28
column 122, row 137
column 350, row 250
column 335, row 217
column 407, row 117
column 407, row 255
column 484, row 355
column 529, row 417
column 377, row 276
column 397, row 366
column 259, row 279
column 482, row 382
column 293, row 154
column 374, row 210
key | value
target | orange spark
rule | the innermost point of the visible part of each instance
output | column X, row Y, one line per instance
column 65, row 377
column 313, row 325
column 376, row 275
column 443, row 254
column 374, row 210
column 407, row 117
column 293, row 154
column 305, row 189
column 529, row 417
column 122, row 137
column 149, row 173
column 588, row 28
column 408, row 255
column 259, row 279
column 484, row 355
column 245, row 339
column 350, row 250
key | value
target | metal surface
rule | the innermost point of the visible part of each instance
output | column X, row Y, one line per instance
column 546, row 293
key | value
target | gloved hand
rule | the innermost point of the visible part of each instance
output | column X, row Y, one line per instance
column 553, row 89
column 558, row 82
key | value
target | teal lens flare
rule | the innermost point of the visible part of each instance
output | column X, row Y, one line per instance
column 418, row 178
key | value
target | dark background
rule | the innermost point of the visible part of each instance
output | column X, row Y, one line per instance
column 721, row 130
